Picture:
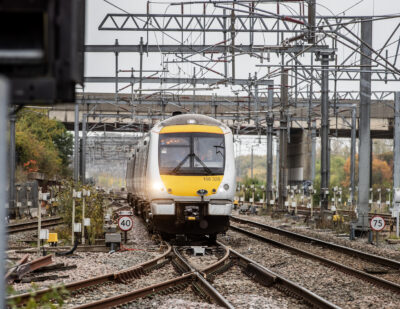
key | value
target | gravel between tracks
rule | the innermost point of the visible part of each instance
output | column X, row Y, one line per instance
column 242, row 292
column 113, row 289
column 182, row 299
column 342, row 289
column 389, row 251
column 331, row 254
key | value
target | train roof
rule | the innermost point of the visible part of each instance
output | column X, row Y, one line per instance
column 190, row 119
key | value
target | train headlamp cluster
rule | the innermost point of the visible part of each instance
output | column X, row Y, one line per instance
column 224, row 187
column 158, row 186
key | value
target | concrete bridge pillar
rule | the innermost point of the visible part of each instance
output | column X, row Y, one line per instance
column 299, row 157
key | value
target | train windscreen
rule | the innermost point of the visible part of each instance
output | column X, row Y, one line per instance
column 191, row 153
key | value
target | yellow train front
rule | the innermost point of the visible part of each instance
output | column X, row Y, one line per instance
column 181, row 177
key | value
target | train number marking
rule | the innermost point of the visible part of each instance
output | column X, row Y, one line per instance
column 377, row 223
column 212, row 178
column 125, row 223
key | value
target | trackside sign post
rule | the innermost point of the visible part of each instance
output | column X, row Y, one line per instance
column 377, row 224
column 125, row 224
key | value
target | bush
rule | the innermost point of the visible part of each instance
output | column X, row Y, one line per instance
column 52, row 299
column 94, row 208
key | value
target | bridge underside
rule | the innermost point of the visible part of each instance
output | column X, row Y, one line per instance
column 104, row 113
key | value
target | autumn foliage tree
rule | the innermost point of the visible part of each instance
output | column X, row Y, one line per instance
column 42, row 144
column 381, row 173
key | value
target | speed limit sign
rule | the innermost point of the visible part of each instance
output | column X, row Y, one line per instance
column 377, row 223
column 125, row 223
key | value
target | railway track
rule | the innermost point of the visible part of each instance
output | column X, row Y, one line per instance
column 302, row 210
column 29, row 226
column 351, row 262
column 90, row 284
column 190, row 275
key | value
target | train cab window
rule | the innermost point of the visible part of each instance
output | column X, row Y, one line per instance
column 173, row 149
column 210, row 150
column 191, row 153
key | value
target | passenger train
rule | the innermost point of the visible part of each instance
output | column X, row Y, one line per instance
column 181, row 177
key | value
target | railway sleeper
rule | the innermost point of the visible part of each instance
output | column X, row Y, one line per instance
column 211, row 276
column 125, row 276
column 259, row 275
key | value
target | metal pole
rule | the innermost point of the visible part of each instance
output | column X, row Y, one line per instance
column 73, row 218
column 116, row 72
column 76, row 144
column 141, row 69
column 396, row 139
column 311, row 21
column 353, row 155
column 4, row 103
column 233, row 45
column 283, row 139
column 364, row 165
column 277, row 162
column 83, row 216
column 324, row 131
column 251, row 162
column 12, row 162
column 313, row 149
column 83, row 150
column 39, row 217
column 396, row 153
column 270, row 122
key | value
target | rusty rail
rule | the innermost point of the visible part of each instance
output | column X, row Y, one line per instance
column 121, row 276
column 267, row 277
column 315, row 241
column 33, row 225
column 175, row 283
column 345, row 269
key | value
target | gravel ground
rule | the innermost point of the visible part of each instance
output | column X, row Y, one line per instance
column 201, row 262
column 384, row 249
column 140, row 248
column 242, row 292
column 331, row 254
column 183, row 299
column 113, row 289
column 343, row 290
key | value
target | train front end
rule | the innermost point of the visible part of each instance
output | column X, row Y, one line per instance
column 192, row 176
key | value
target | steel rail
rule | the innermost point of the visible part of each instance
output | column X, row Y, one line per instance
column 121, row 276
column 267, row 277
column 27, row 226
column 175, row 284
column 315, row 241
column 345, row 269
column 192, row 276
column 201, row 284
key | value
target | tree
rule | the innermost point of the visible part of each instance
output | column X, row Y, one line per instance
column 44, row 141
column 381, row 173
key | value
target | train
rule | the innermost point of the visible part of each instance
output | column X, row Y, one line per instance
column 181, row 177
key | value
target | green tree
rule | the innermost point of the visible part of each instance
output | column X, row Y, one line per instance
column 43, row 141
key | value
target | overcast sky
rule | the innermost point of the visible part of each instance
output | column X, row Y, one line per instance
column 104, row 64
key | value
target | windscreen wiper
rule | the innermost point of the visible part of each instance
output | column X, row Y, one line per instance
column 206, row 168
column 178, row 167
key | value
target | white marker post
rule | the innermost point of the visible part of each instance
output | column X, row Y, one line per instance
column 39, row 217
column 84, row 194
column 396, row 202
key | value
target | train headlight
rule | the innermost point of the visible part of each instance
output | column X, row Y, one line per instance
column 224, row 187
column 158, row 186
